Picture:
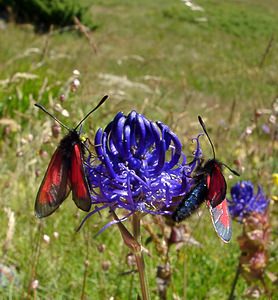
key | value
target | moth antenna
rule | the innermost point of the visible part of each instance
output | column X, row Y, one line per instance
column 233, row 171
column 99, row 104
column 80, row 129
column 206, row 133
column 52, row 116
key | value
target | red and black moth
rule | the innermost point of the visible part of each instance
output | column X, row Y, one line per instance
column 210, row 186
column 65, row 172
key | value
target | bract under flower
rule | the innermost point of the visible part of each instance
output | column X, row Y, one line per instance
column 140, row 165
column 244, row 202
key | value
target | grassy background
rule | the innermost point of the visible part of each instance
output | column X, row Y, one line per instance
column 169, row 63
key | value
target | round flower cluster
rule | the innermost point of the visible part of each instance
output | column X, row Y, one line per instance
column 140, row 166
column 244, row 201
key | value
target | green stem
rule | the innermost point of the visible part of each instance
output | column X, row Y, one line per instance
column 139, row 259
column 35, row 259
column 185, row 267
column 86, row 266
column 231, row 296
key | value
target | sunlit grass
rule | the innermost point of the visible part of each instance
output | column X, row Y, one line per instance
column 177, row 68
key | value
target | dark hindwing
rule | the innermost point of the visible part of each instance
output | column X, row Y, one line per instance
column 55, row 186
column 221, row 220
column 217, row 186
column 79, row 184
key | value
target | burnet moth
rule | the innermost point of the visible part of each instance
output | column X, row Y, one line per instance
column 210, row 186
column 65, row 172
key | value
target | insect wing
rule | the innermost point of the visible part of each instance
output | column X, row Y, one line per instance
column 221, row 220
column 79, row 184
column 55, row 186
column 216, row 186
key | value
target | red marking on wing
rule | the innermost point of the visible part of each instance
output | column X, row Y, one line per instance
column 55, row 186
column 221, row 220
column 79, row 184
column 216, row 186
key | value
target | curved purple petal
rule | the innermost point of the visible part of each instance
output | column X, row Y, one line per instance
column 140, row 165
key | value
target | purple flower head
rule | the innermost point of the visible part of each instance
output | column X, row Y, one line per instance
column 266, row 129
column 244, row 202
column 140, row 166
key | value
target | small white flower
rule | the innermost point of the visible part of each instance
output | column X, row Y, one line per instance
column 46, row 238
column 272, row 119
column 76, row 82
column 56, row 234
column 35, row 284
column 65, row 113
column 76, row 72
column 249, row 130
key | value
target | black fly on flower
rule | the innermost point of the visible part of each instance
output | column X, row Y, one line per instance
column 140, row 166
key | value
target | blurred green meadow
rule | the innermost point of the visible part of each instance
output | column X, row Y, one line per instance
column 170, row 63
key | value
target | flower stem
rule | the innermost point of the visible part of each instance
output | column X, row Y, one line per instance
column 133, row 241
column 231, row 296
column 139, row 258
column 86, row 266
column 35, row 259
